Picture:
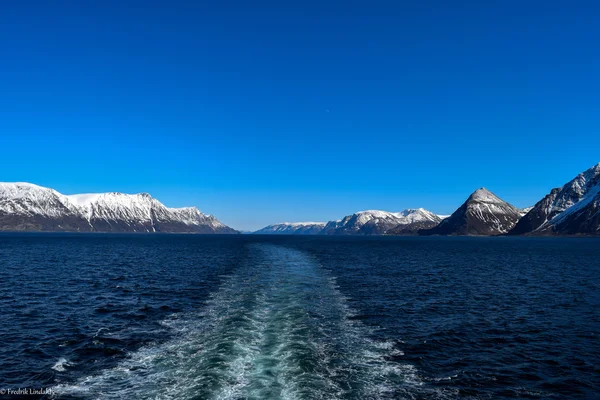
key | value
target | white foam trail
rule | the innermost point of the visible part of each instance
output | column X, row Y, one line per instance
column 61, row 364
column 277, row 329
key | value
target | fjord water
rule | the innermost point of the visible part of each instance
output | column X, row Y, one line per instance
column 258, row 317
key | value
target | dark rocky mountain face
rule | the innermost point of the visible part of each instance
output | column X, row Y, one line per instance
column 41, row 223
column 483, row 213
column 413, row 229
column 331, row 227
column 538, row 215
column 310, row 230
column 565, row 210
column 584, row 219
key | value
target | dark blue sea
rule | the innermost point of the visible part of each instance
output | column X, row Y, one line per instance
column 279, row 317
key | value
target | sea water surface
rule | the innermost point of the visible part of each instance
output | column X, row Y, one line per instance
column 279, row 317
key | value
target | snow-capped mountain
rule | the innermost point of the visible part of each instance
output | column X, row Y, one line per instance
column 375, row 222
column 28, row 207
column 571, row 209
column 415, row 220
column 483, row 213
column 293, row 228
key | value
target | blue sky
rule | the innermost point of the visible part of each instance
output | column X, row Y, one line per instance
column 263, row 112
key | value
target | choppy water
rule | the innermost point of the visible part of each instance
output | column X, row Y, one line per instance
column 253, row 317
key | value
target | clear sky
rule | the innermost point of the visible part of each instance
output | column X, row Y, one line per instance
column 262, row 112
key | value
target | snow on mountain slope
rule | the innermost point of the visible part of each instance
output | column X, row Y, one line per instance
column 591, row 196
column 28, row 207
column 412, row 215
column 547, row 215
column 412, row 221
column 489, row 208
column 293, row 228
column 29, row 199
column 25, row 206
column 379, row 222
column 483, row 213
column 113, row 210
column 582, row 218
column 193, row 216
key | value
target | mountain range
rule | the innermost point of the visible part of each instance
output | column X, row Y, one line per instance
column 292, row 228
column 374, row 222
column 572, row 209
column 28, row 207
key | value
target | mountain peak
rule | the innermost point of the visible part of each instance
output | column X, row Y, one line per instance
column 485, row 196
column 483, row 213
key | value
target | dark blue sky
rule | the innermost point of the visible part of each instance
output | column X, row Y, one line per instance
column 262, row 112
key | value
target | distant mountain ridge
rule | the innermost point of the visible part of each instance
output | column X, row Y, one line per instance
column 293, row 228
column 376, row 222
column 29, row 207
column 370, row 222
